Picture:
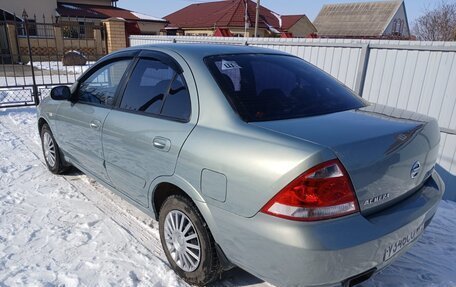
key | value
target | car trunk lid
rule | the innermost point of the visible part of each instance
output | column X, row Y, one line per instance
column 387, row 152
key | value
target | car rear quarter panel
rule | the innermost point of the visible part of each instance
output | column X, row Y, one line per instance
column 256, row 166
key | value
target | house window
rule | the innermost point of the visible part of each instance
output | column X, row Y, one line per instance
column 70, row 31
column 82, row 30
column 32, row 31
column 77, row 30
column 398, row 27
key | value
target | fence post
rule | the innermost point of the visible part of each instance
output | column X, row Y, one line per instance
column 362, row 70
column 115, row 34
column 98, row 41
column 59, row 46
column 29, row 46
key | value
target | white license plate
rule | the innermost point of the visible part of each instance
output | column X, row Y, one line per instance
column 398, row 245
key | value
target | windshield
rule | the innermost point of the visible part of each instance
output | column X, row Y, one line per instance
column 263, row 87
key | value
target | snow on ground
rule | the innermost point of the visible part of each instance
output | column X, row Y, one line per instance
column 58, row 66
column 41, row 78
column 52, row 233
column 47, row 73
column 70, row 231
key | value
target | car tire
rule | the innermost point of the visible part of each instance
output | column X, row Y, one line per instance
column 51, row 151
column 179, row 222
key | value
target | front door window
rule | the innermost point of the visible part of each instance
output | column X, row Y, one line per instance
column 100, row 88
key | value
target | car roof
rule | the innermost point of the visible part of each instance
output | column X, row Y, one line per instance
column 203, row 50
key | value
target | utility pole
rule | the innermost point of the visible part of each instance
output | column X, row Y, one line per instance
column 246, row 18
column 256, row 18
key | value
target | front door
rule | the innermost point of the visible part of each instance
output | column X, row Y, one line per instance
column 79, row 125
column 143, row 137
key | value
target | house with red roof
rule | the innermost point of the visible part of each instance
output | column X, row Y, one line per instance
column 236, row 17
column 49, row 29
column 135, row 22
column 81, row 15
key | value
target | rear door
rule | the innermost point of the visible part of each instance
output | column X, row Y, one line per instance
column 143, row 136
column 79, row 124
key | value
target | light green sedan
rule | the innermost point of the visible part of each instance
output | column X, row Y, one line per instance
column 249, row 157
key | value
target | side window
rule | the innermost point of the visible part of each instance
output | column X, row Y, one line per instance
column 155, row 88
column 147, row 87
column 100, row 88
column 177, row 103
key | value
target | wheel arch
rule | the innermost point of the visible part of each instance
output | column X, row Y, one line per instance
column 168, row 186
column 41, row 122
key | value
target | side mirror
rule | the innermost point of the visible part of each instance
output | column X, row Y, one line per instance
column 61, row 93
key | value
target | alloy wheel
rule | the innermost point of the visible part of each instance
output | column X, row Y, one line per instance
column 49, row 149
column 182, row 241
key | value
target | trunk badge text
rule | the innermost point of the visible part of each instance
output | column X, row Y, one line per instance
column 376, row 199
column 416, row 168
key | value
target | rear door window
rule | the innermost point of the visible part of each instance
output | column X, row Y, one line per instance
column 263, row 87
column 147, row 87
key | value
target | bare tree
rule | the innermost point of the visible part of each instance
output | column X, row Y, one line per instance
column 438, row 24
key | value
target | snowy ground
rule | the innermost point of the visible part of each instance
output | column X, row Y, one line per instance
column 58, row 66
column 42, row 78
column 70, row 231
column 47, row 75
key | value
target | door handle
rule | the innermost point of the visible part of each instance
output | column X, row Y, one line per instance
column 159, row 145
column 163, row 144
column 95, row 124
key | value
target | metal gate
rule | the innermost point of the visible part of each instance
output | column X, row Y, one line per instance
column 32, row 54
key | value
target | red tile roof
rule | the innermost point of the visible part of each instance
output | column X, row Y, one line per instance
column 227, row 13
column 289, row 21
column 286, row 35
column 223, row 32
column 100, row 12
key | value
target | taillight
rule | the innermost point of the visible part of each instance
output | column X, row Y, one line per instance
column 322, row 192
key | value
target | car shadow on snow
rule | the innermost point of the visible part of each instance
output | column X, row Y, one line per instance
column 237, row 277
column 73, row 171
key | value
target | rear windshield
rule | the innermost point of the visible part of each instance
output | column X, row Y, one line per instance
column 263, row 87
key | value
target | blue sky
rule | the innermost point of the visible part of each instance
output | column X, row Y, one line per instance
column 160, row 8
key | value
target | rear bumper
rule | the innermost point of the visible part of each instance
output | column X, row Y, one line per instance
column 327, row 253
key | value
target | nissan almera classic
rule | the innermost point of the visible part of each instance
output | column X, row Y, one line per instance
column 249, row 157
